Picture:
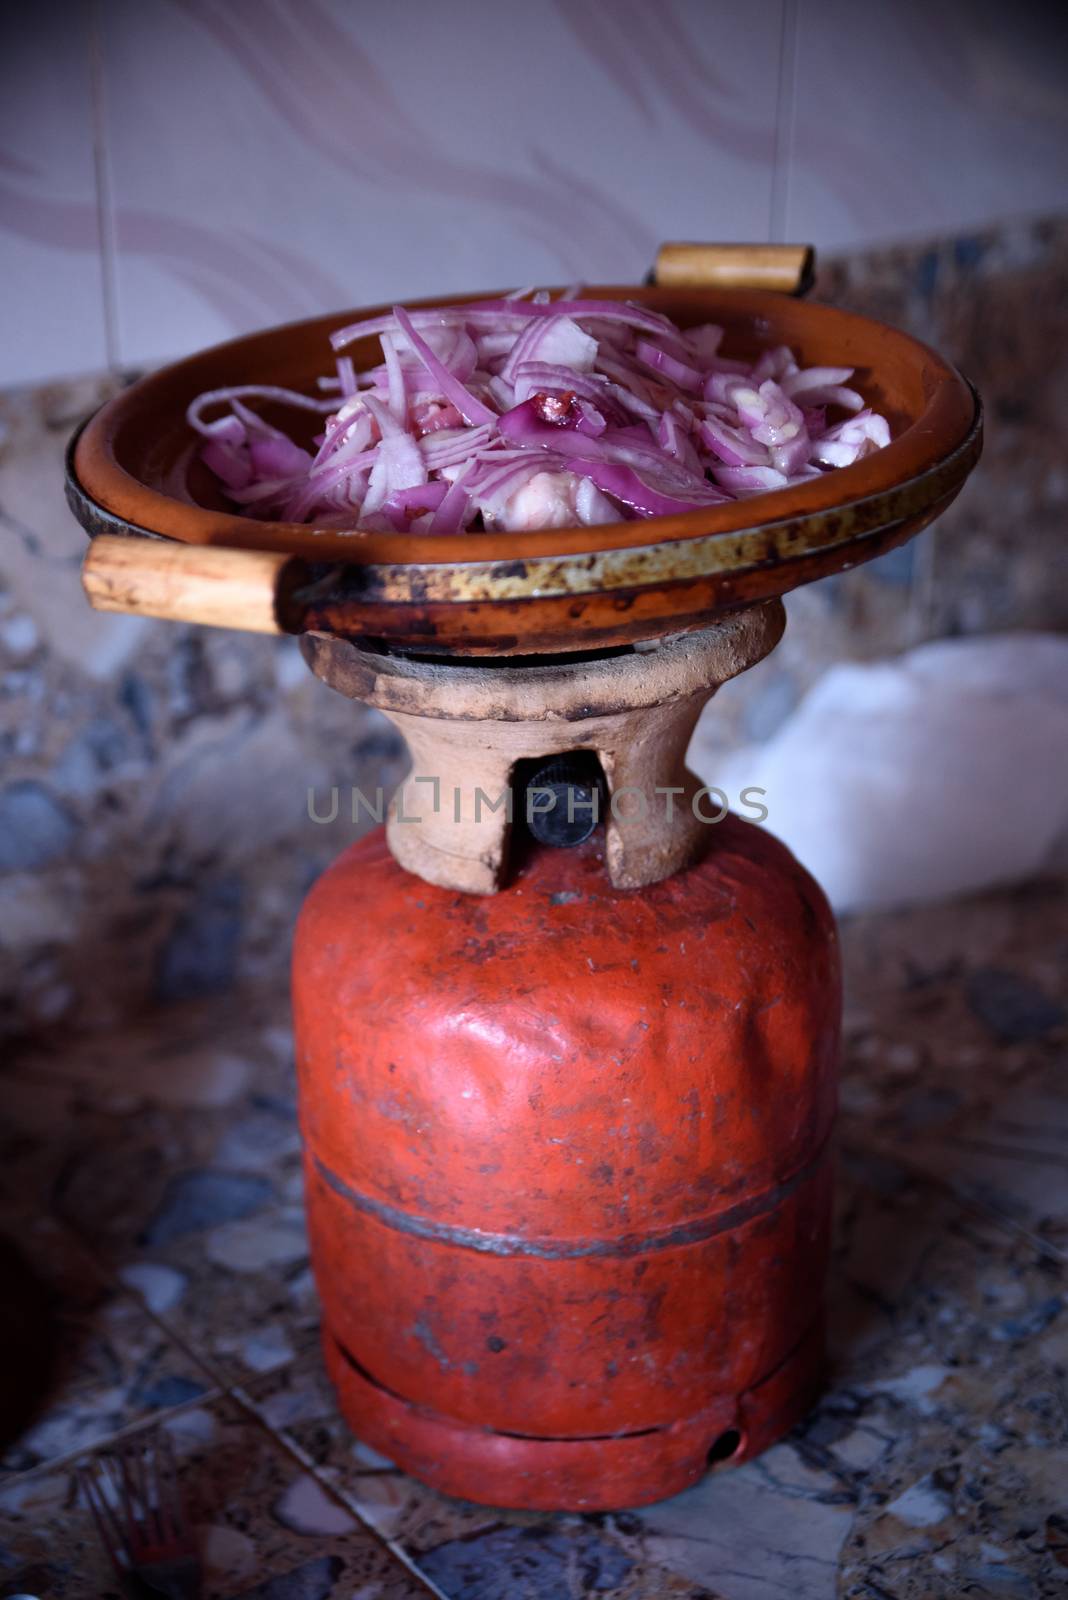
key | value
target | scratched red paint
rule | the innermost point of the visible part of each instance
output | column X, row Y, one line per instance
column 568, row 1163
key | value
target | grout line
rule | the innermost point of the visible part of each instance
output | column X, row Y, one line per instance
column 227, row 1389
column 105, row 215
column 785, row 103
column 150, row 1419
column 248, row 1406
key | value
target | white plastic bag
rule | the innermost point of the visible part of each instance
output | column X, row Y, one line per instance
column 937, row 774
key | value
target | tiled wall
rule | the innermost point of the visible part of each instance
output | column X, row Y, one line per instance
column 174, row 171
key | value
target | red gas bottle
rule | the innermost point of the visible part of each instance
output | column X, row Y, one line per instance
column 568, row 1163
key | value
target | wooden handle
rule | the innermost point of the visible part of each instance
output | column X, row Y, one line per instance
column 789, row 268
column 247, row 589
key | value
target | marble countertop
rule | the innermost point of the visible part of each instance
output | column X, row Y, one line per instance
column 150, row 1182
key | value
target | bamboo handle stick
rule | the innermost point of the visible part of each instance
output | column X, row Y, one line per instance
column 246, row 589
column 789, row 268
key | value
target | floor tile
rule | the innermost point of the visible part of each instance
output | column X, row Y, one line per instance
column 947, row 1399
column 266, row 1530
column 470, row 1552
column 92, row 1360
column 175, row 1157
column 956, row 1035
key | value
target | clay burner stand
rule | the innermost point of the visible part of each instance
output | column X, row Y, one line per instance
column 470, row 725
column 566, row 1112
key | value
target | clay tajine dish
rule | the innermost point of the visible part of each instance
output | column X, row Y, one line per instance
column 134, row 470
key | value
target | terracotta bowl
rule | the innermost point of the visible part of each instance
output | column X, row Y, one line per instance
column 134, row 470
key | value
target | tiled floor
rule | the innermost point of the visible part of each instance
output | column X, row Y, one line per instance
column 152, row 1183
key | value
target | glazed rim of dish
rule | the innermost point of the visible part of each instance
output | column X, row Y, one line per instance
column 135, row 463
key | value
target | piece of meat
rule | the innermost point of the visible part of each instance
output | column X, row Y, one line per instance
column 555, row 500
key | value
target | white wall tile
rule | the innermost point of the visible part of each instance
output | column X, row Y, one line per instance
column 926, row 116
column 268, row 159
column 51, row 292
column 273, row 159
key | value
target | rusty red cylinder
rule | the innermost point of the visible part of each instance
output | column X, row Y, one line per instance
column 568, row 1164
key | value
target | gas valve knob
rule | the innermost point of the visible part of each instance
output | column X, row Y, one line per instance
column 564, row 799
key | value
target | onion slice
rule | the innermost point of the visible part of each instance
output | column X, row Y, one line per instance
column 530, row 411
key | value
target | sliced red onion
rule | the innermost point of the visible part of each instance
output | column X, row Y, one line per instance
column 501, row 393
column 769, row 414
column 705, row 341
column 398, row 400
column 450, row 447
column 736, row 369
column 856, row 437
column 454, row 511
column 493, row 346
column 610, row 311
column 403, row 504
column 744, row 481
column 352, row 425
column 352, row 459
column 278, row 457
column 388, row 425
column 232, row 469
column 524, row 426
column 590, row 421
column 535, row 377
column 451, row 387
column 556, row 340
column 256, row 427
column 269, row 492
column 778, row 364
column 461, row 357
column 398, row 464
column 675, row 440
column 446, row 317
column 227, row 430
column 625, row 484
column 833, row 394
column 226, row 452
column 525, row 408
column 632, row 402
column 815, row 378
column 497, row 488
column 668, row 366
column 735, row 447
column 721, row 387
column 792, row 457
column 251, row 391
column 433, row 416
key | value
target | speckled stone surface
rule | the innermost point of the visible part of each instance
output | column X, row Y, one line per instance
column 265, row 1528
column 155, row 837
column 152, row 1184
